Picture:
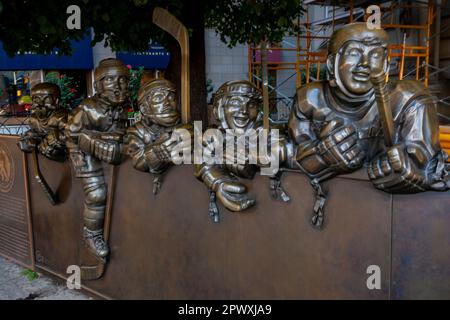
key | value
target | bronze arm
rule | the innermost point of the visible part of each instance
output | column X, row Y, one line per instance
column 29, row 141
column 336, row 151
column 96, row 145
column 229, row 190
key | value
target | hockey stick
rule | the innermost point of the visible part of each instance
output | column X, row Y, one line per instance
column 384, row 109
column 42, row 182
column 166, row 21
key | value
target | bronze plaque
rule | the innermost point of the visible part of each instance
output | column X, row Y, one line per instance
column 16, row 241
column 7, row 172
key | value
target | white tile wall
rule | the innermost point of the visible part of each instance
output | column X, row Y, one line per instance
column 99, row 52
column 225, row 64
column 222, row 63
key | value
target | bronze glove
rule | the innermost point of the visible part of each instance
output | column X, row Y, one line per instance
column 29, row 141
column 229, row 191
column 395, row 172
column 336, row 151
column 52, row 147
column 339, row 148
column 108, row 151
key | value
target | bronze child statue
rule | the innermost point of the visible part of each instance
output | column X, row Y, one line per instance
column 95, row 132
column 355, row 118
column 47, row 122
column 238, row 109
column 150, row 142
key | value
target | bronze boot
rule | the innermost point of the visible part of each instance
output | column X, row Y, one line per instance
column 96, row 243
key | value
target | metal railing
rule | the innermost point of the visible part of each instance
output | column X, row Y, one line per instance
column 13, row 126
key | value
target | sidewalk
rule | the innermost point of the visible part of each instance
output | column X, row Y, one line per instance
column 16, row 286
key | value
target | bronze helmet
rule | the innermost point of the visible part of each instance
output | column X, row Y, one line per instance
column 152, row 85
column 165, row 112
column 46, row 88
column 110, row 66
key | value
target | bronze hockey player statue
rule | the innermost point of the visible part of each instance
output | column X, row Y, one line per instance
column 95, row 132
column 357, row 118
column 150, row 142
column 238, row 107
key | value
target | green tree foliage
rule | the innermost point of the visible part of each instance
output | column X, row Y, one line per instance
column 241, row 21
column 68, row 87
column 135, row 84
column 40, row 26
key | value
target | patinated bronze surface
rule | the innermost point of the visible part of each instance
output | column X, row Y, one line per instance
column 150, row 142
column 237, row 107
column 355, row 126
column 46, row 133
column 16, row 234
column 166, row 249
column 95, row 132
column 355, row 119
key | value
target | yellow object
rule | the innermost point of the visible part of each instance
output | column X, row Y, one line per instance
column 444, row 129
column 25, row 99
column 19, row 93
column 444, row 137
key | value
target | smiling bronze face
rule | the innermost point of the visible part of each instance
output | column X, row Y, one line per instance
column 237, row 105
column 355, row 64
column 354, row 53
column 240, row 112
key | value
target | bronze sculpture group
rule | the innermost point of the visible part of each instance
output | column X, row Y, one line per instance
column 338, row 126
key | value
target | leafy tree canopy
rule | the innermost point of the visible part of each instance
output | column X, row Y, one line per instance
column 253, row 20
column 40, row 25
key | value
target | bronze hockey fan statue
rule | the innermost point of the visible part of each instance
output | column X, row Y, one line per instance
column 357, row 118
column 150, row 142
column 46, row 133
column 47, row 122
column 238, row 107
column 95, row 132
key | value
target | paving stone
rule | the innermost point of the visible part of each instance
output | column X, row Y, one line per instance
column 16, row 286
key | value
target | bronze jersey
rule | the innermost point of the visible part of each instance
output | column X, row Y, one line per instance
column 413, row 108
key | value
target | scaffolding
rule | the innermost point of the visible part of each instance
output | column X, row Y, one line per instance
column 310, row 62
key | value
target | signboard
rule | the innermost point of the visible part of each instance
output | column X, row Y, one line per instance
column 273, row 56
column 156, row 57
column 81, row 59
